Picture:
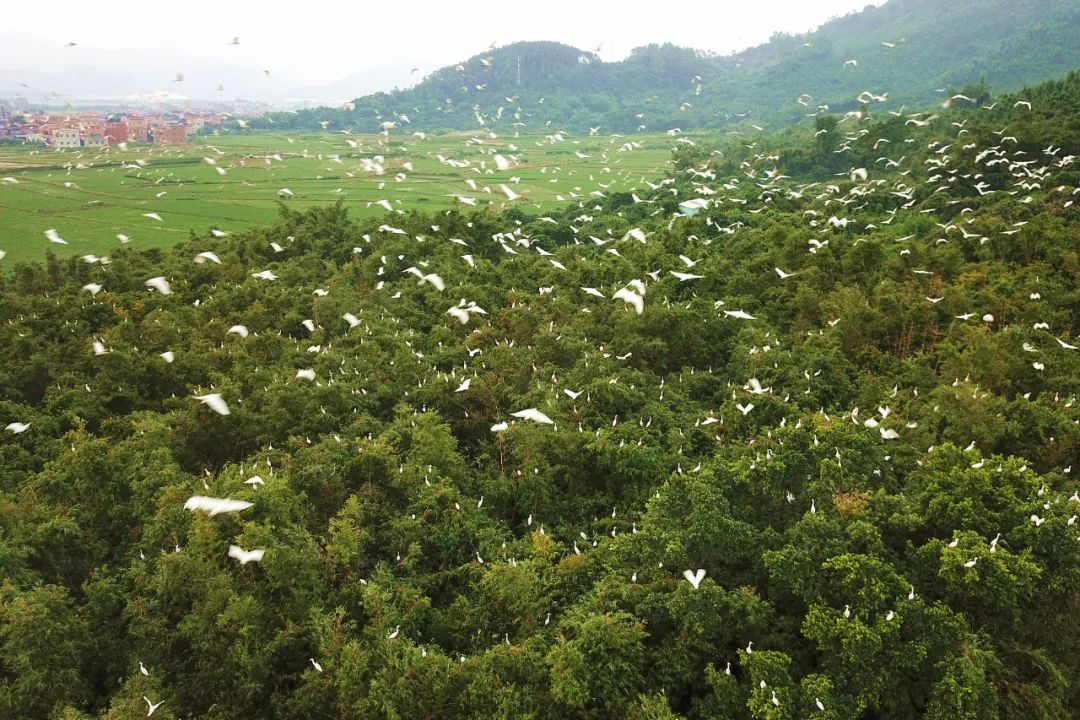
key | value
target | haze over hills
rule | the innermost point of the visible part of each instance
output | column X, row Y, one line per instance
column 101, row 73
column 909, row 51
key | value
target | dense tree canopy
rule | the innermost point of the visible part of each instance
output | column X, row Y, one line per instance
column 830, row 477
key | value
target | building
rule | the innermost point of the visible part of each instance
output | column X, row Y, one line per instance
column 138, row 127
column 92, row 133
column 116, row 130
column 171, row 134
column 96, row 129
column 66, row 137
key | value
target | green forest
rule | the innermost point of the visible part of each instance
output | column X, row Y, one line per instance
column 789, row 433
column 905, row 52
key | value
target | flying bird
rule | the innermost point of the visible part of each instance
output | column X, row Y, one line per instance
column 54, row 237
column 694, row 578
column 151, row 708
column 463, row 313
column 534, row 415
column 160, row 284
column 215, row 506
column 432, row 278
column 631, row 298
column 245, row 556
column 215, row 403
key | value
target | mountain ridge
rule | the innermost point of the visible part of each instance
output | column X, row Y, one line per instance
column 914, row 51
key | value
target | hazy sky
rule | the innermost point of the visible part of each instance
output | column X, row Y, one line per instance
column 322, row 40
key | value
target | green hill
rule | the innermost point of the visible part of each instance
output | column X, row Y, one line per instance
column 937, row 48
column 791, row 432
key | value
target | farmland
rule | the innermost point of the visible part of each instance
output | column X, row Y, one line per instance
column 229, row 182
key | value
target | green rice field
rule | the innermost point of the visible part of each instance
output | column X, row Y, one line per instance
column 89, row 196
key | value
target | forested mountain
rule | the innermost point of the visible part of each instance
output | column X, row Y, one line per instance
column 914, row 51
column 790, row 433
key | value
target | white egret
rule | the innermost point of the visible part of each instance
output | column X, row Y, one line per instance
column 245, row 556
column 215, row 506
column 694, row 578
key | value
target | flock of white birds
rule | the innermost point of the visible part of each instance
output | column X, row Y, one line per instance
column 829, row 210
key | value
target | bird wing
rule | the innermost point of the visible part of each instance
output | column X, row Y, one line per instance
column 534, row 415
column 628, row 296
column 215, row 402
column 435, row 281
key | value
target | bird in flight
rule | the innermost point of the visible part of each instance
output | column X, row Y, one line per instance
column 151, row 708
column 431, row 278
column 160, row 284
column 534, row 415
column 631, row 298
column 215, row 506
column 215, row 402
column 463, row 313
column 694, row 578
column 245, row 556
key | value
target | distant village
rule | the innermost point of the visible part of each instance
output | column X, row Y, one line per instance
column 96, row 129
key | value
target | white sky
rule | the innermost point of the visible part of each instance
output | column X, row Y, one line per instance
column 318, row 41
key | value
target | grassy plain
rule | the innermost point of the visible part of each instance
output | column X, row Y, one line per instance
column 91, row 195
